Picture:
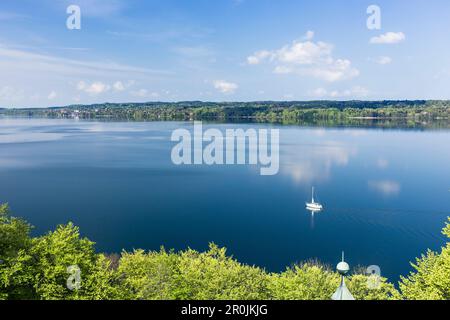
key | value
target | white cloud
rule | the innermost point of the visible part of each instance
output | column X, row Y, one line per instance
column 384, row 60
column 307, row 58
column 52, row 95
column 225, row 86
column 258, row 57
column 336, row 71
column 98, row 87
column 94, row 88
column 22, row 68
column 81, row 86
column 355, row 92
column 305, row 53
column 144, row 93
column 388, row 38
column 283, row 70
column 309, row 35
column 118, row 86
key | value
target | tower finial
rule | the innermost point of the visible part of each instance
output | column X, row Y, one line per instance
column 342, row 293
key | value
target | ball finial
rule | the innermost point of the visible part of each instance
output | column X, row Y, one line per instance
column 343, row 267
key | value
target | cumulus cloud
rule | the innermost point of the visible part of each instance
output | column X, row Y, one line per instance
column 98, row 87
column 355, row 92
column 305, row 53
column 22, row 69
column 52, row 95
column 388, row 38
column 119, row 86
column 225, row 86
column 258, row 57
column 307, row 58
column 94, row 88
column 309, row 35
column 144, row 93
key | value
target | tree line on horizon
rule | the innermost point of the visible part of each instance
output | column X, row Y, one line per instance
column 323, row 112
column 35, row 268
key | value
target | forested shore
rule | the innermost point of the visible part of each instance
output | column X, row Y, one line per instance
column 39, row 268
column 326, row 113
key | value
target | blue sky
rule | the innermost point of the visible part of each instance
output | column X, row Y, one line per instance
column 221, row 50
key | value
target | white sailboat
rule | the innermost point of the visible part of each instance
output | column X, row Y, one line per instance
column 313, row 205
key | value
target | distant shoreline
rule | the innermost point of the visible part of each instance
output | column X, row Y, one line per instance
column 191, row 103
column 384, row 114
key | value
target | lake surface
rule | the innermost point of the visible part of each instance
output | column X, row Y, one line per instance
column 386, row 192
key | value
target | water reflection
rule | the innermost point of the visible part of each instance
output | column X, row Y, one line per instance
column 46, row 130
column 15, row 137
column 386, row 188
column 382, row 163
column 313, row 162
column 313, row 213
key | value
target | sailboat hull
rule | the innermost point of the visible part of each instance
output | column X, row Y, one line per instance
column 314, row 206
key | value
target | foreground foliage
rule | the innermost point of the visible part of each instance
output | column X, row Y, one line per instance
column 431, row 279
column 36, row 268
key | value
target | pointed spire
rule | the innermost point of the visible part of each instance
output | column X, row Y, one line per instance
column 342, row 293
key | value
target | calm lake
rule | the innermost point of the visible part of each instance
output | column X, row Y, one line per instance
column 386, row 192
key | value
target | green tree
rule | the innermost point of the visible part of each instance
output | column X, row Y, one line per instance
column 431, row 278
column 148, row 276
column 53, row 253
column 14, row 243
column 307, row 281
column 189, row 274
column 213, row 275
column 358, row 285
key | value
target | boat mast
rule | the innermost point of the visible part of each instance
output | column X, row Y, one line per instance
column 313, row 195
